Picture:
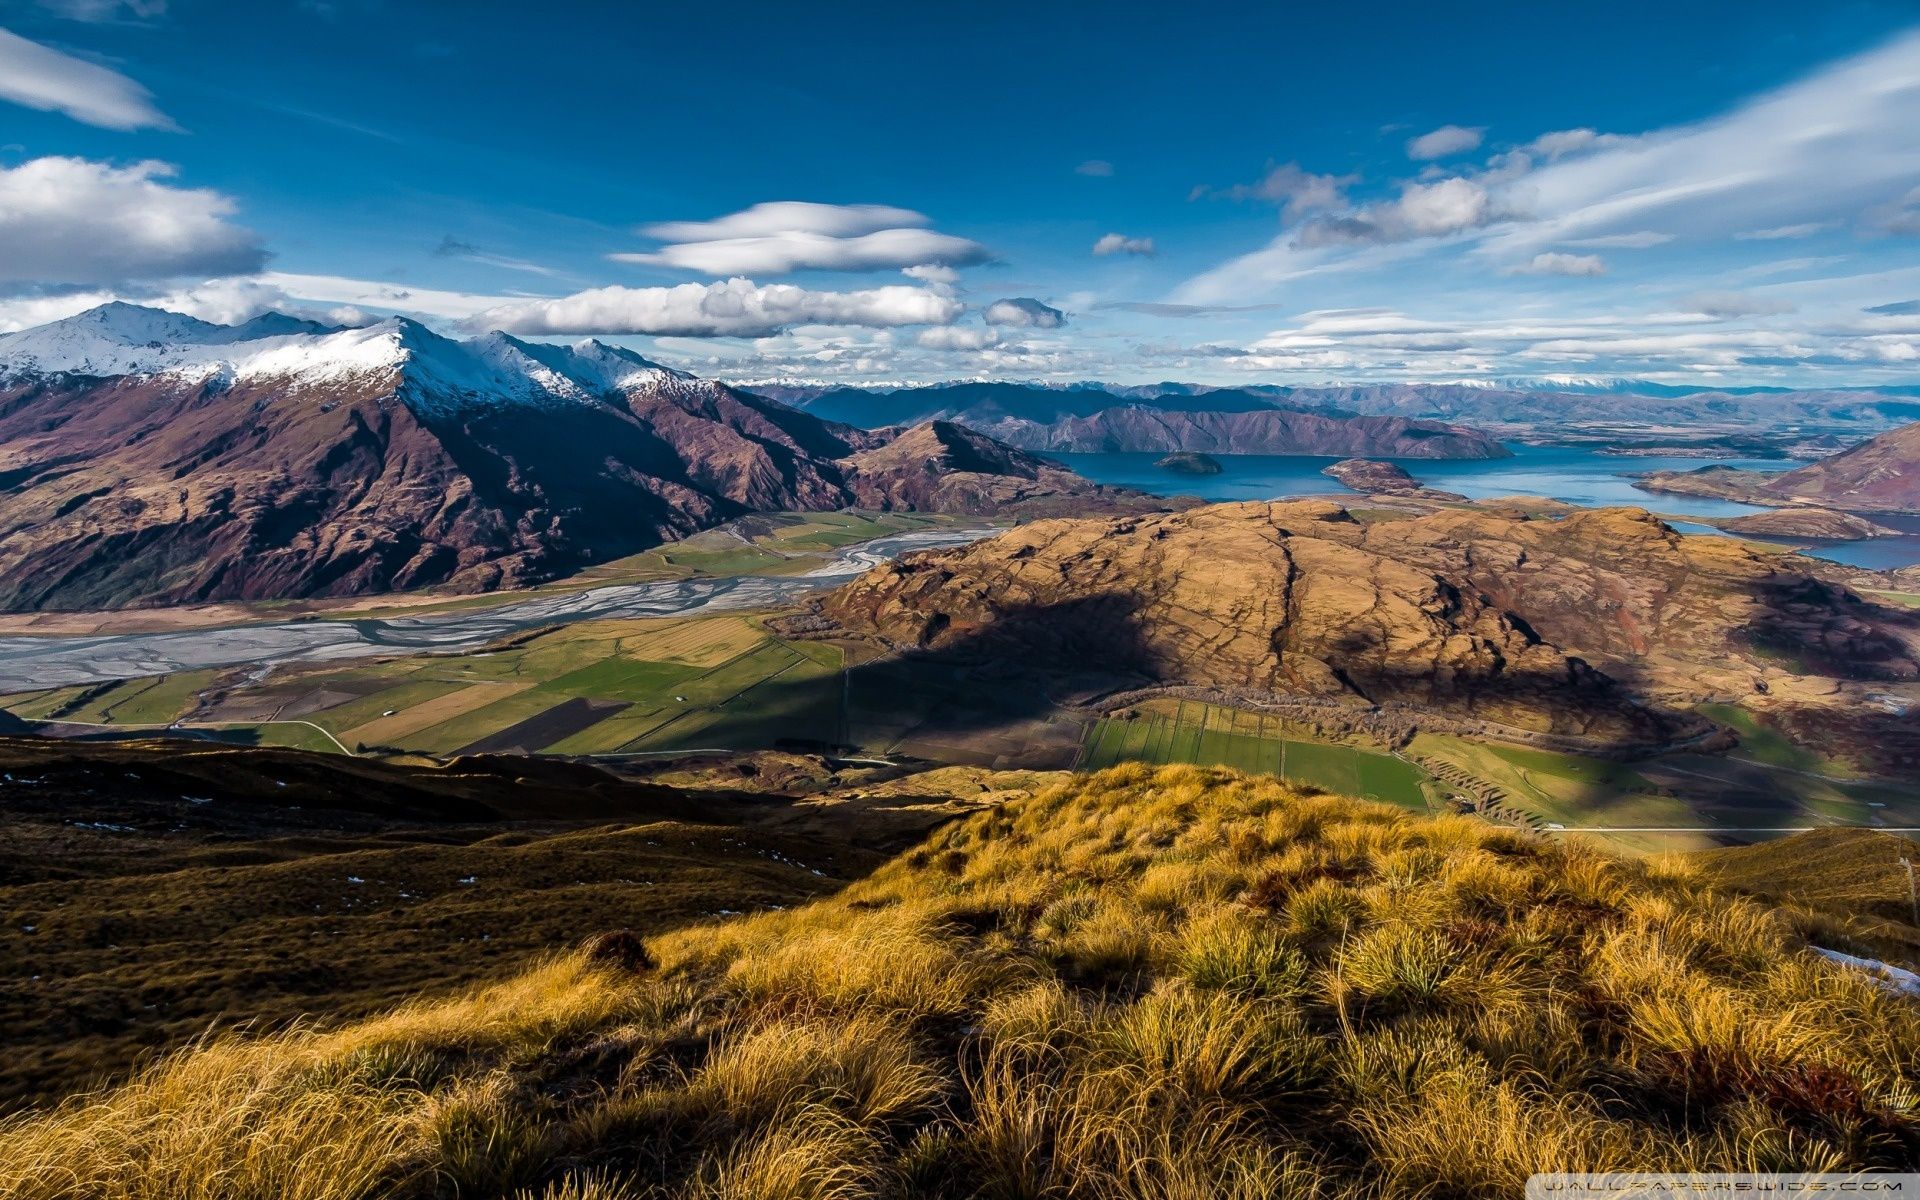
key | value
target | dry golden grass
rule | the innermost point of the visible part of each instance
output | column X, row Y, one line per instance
column 1177, row 983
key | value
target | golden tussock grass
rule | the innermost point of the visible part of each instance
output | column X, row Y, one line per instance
column 1172, row 982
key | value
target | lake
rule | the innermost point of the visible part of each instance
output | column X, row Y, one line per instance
column 1573, row 474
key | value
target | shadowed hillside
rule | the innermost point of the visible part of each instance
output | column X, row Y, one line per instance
column 155, row 891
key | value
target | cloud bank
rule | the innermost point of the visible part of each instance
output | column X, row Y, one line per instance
column 72, row 221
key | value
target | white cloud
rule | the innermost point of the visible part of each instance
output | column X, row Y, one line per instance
column 383, row 296
column 1115, row 243
column 1297, row 191
column 1835, row 146
column 778, row 254
column 1642, row 240
column 733, row 308
column 226, row 301
column 789, row 216
column 1563, row 142
column 1901, row 217
column 1444, row 142
column 1562, row 264
column 1780, row 232
column 1025, row 312
column 1424, row 210
column 42, row 78
column 1099, row 168
column 777, row 237
column 932, row 275
column 74, row 221
column 1436, row 209
column 957, row 337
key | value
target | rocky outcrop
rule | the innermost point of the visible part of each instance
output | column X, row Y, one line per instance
column 943, row 467
column 1881, row 474
column 1188, row 463
column 1821, row 523
column 1366, row 475
column 1384, row 479
column 1603, row 624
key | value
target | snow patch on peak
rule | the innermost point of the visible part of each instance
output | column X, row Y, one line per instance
column 131, row 324
column 396, row 356
column 108, row 340
column 620, row 368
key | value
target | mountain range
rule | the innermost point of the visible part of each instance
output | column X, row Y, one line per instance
column 1012, row 411
column 1095, row 420
column 148, row 457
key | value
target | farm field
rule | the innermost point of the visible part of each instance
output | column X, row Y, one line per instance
column 1185, row 731
column 1675, row 801
column 597, row 687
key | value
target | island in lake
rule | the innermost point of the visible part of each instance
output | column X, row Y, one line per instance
column 1189, row 462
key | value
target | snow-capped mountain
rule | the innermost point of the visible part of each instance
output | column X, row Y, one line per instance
column 118, row 340
column 148, row 457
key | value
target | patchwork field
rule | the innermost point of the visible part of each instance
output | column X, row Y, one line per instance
column 1185, row 731
column 599, row 687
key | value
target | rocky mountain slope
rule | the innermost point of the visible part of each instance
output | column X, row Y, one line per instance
column 146, row 457
column 1094, row 420
column 1823, row 523
column 1881, row 474
column 1599, row 624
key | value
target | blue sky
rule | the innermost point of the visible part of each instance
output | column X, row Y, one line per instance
column 1721, row 193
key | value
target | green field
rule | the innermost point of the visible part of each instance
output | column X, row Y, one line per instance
column 1568, row 789
column 155, row 700
column 1764, row 744
column 1211, row 735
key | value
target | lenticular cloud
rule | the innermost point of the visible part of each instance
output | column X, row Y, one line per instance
column 733, row 308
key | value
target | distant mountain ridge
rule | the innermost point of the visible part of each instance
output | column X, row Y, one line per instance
column 1881, row 474
column 148, row 458
column 1095, row 420
column 1494, row 403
